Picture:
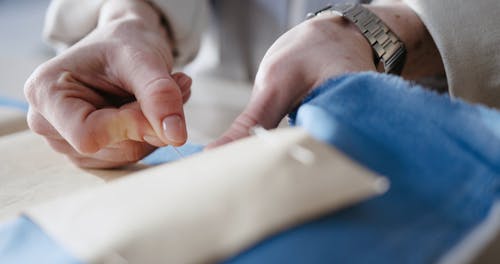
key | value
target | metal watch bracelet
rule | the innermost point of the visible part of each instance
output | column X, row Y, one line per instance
column 387, row 46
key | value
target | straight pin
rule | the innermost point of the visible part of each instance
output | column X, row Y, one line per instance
column 297, row 152
column 178, row 152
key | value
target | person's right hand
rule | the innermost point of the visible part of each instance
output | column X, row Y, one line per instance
column 111, row 99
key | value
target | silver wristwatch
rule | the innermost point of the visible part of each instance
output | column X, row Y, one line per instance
column 387, row 47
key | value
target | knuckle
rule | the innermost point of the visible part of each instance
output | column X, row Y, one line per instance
column 33, row 84
column 37, row 123
column 30, row 90
column 163, row 89
column 41, row 85
column 242, row 125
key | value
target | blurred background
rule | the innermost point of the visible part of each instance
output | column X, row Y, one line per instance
column 21, row 51
column 21, row 46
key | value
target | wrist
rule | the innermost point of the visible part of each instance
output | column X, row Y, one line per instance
column 135, row 14
column 388, row 53
column 338, row 29
column 341, row 32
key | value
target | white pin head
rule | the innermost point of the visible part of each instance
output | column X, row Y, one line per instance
column 299, row 153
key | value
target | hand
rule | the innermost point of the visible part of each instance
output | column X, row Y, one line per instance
column 322, row 48
column 111, row 98
column 298, row 61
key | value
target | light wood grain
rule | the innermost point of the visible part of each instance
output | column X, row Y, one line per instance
column 32, row 173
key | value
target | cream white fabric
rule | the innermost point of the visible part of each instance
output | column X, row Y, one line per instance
column 188, row 19
column 210, row 206
column 468, row 37
column 68, row 21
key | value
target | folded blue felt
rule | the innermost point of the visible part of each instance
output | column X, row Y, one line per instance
column 441, row 155
column 22, row 241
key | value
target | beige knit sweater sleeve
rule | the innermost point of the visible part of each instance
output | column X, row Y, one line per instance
column 68, row 21
column 467, row 34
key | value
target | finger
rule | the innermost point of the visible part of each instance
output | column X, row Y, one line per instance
column 239, row 129
column 261, row 110
column 184, row 82
column 63, row 147
column 118, row 155
column 186, row 95
column 38, row 124
column 277, row 91
column 126, row 152
column 89, row 130
column 159, row 95
column 74, row 111
column 91, row 163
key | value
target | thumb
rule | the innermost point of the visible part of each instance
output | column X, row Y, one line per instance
column 160, row 98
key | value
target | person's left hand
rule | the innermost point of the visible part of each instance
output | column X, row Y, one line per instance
column 301, row 59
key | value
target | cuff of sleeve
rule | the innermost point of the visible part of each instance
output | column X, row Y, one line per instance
column 465, row 35
column 187, row 20
column 68, row 21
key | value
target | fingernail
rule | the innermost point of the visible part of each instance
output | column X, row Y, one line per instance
column 154, row 141
column 174, row 129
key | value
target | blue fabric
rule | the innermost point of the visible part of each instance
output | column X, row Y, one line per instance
column 441, row 155
column 168, row 154
column 21, row 241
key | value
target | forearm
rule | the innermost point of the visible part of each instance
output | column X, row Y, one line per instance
column 423, row 58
